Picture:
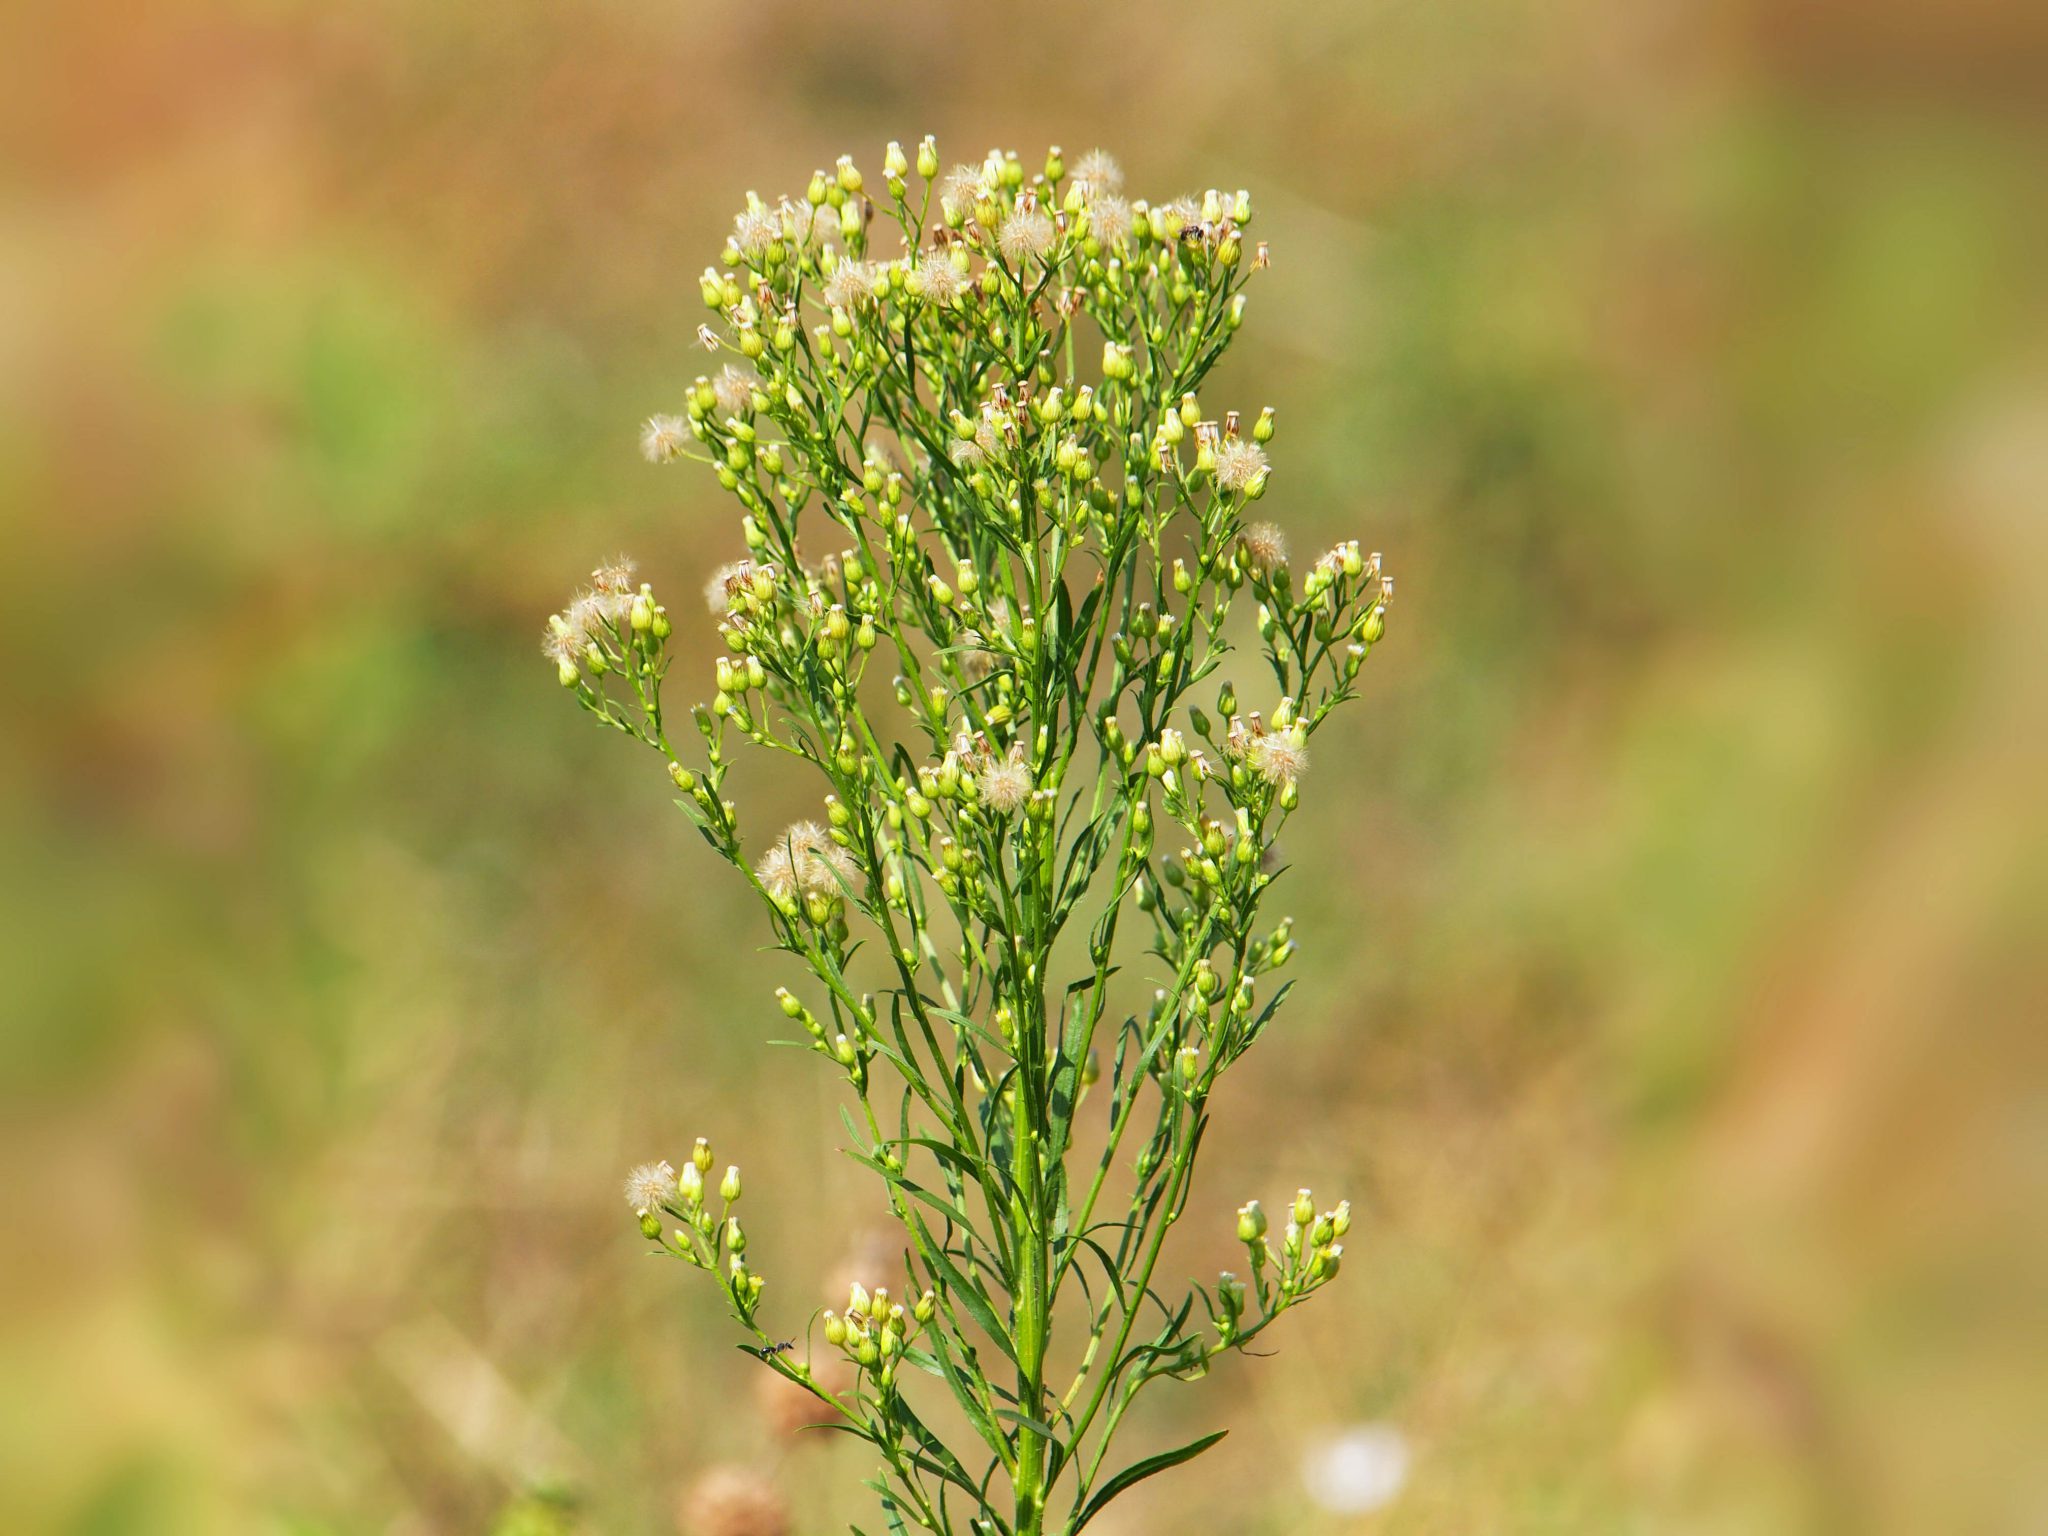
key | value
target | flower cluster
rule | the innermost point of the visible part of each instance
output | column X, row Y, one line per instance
column 716, row 1243
column 962, row 411
column 875, row 1330
column 1311, row 1252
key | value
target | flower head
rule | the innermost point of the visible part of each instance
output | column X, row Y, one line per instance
column 562, row 642
column 851, row 285
column 734, row 388
column 1026, row 233
column 1240, row 463
column 1110, row 219
column 1278, row 757
column 662, row 438
column 589, row 612
column 1005, row 782
column 806, row 862
column 937, row 279
column 649, row 1187
column 1180, row 214
column 724, row 583
column 614, row 576
column 756, row 228
column 808, row 225
column 1265, row 546
column 963, row 187
column 1098, row 175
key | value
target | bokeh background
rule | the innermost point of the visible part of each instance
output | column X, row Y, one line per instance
column 1675, row 912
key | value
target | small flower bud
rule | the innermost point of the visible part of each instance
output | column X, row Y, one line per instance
column 729, row 1186
column 700, row 1155
column 1251, row 1222
column 1304, row 1207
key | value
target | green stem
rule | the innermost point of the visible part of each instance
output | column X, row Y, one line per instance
column 1032, row 1320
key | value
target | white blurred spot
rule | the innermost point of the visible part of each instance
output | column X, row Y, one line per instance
column 1357, row 1470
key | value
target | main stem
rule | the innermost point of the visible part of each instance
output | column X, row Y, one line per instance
column 1033, row 1320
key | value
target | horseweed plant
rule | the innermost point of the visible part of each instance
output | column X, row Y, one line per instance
column 1046, row 567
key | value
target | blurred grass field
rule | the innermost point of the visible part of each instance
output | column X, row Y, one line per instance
column 1672, row 914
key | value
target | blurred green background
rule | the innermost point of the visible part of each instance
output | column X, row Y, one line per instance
column 1673, row 912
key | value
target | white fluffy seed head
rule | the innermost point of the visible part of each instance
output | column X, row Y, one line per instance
column 1110, row 219
column 734, row 389
column 851, row 285
column 724, row 584
column 806, row 862
column 1278, row 757
column 649, row 1187
column 808, row 225
column 938, row 280
column 562, row 642
column 1266, row 546
column 1239, row 462
column 1098, row 175
column 662, row 438
column 1027, row 233
column 755, row 228
column 963, row 187
column 1005, row 784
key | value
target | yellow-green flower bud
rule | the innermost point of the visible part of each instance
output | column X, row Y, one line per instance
column 729, row 1186
column 700, row 1155
column 1251, row 1222
column 1304, row 1207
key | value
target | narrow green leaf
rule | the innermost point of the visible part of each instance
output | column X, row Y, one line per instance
column 1138, row 1471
